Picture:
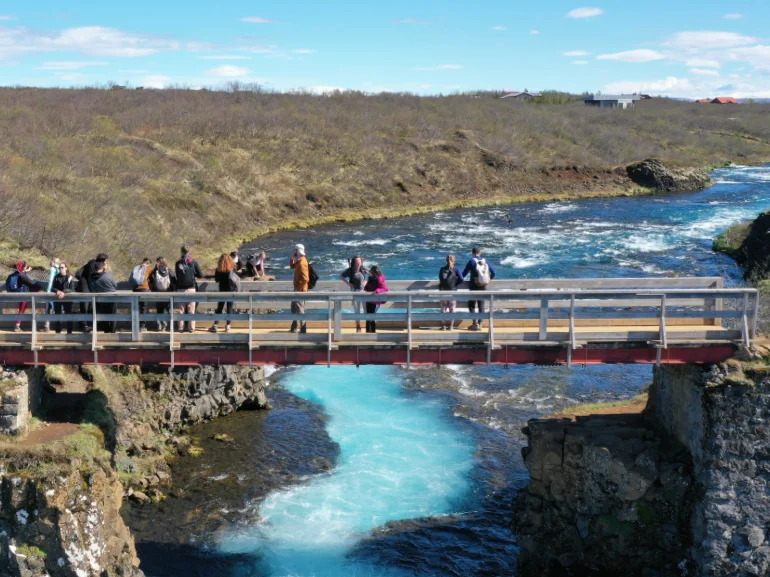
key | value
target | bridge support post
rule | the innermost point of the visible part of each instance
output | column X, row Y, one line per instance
column 251, row 329
column 543, row 318
column 745, row 321
column 409, row 331
column 135, row 318
column 337, row 320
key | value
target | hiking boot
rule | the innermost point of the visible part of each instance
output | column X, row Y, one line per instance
column 227, row 328
column 17, row 329
column 46, row 328
column 303, row 330
column 213, row 329
column 474, row 326
column 142, row 329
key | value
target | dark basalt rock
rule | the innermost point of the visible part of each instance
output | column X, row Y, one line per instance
column 652, row 173
column 754, row 253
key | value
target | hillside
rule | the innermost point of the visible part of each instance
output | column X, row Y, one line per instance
column 135, row 173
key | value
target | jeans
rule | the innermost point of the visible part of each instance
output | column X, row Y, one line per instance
column 106, row 309
column 142, row 306
column 480, row 304
column 186, row 309
column 63, row 308
column 371, row 308
column 298, row 308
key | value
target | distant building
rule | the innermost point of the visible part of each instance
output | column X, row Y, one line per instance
column 724, row 100
column 704, row 101
column 117, row 87
column 645, row 97
column 612, row 100
column 522, row 95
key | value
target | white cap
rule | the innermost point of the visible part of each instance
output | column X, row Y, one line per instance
column 300, row 248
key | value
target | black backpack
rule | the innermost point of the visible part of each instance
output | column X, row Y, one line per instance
column 446, row 279
column 312, row 277
column 185, row 274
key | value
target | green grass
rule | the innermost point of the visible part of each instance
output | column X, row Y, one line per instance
column 30, row 551
column 730, row 241
column 638, row 401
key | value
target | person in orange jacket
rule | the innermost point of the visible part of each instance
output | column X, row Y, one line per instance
column 298, row 263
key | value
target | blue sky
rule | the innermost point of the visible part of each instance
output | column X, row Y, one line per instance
column 674, row 47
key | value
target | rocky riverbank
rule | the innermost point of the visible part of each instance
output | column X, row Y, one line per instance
column 63, row 485
column 677, row 489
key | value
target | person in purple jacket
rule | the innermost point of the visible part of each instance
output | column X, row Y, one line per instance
column 482, row 274
column 376, row 284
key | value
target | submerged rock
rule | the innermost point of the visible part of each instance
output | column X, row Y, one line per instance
column 652, row 173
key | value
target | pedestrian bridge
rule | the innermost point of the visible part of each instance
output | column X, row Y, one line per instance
column 556, row 321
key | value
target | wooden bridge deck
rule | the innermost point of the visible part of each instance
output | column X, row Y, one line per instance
column 568, row 320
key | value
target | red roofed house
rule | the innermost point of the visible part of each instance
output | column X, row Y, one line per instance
column 724, row 100
column 704, row 101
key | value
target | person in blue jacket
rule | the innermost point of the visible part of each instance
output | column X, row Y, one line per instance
column 482, row 274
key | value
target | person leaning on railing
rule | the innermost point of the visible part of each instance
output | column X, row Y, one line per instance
column 355, row 277
column 229, row 282
column 18, row 282
column 162, row 280
column 102, row 282
column 187, row 272
column 377, row 284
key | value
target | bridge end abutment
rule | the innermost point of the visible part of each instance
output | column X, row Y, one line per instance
column 677, row 484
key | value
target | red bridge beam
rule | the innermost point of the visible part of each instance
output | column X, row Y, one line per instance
column 370, row 356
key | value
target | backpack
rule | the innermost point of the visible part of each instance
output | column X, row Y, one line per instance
column 138, row 275
column 235, row 281
column 312, row 277
column 162, row 281
column 12, row 283
column 482, row 273
column 446, row 279
column 185, row 274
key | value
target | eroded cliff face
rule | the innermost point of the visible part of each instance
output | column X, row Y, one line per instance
column 681, row 489
column 654, row 174
column 60, row 517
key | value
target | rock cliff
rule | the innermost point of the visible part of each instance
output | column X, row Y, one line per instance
column 652, row 173
column 680, row 489
column 754, row 252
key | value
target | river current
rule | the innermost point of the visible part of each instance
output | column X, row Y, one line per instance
column 395, row 472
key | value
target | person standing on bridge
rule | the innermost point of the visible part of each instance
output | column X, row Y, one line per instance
column 64, row 283
column 18, row 282
column 482, row 274
column 187, row 272
column 140, row 283
column 298, row 263
column 355, row 277
column 103, row 282
column 162, row 281
column 449, row 278
column 229, row 282
column 84, row 284
column 53, row 270
column 377, row 284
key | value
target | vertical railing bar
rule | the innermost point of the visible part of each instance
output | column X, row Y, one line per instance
column 543, row 318
column 755, row 316
column 663, row 337
column 251, row 329
column 94, row 332
column 571, row 324
column 33, row 345
column 745, row 320
column 409, row 331
column 135, row 318
column 338, row 319
column 171, row 325
column 491, row 344
column 330, row 314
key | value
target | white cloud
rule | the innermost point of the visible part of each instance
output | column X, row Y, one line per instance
column 576, row 53
column 643, row 55
column 702, row 40
column 258, row 20
column 499, row 28
column 534, row 32
column 703, row 63
column 758, row 56
column 91, row 40
column 7, row 17
column 732, row 16
column 704, row 72
column 325, row 89
column 228, row 71
column 668, row 85
column 68, row 65
column 156, row 81
column 224, row 57
column 411, row 21
column 580, row 62
column 441, row 67
column 304, row 51
column 585, row 12
column 260, row 49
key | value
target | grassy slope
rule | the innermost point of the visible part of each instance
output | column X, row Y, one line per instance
column 136, row 173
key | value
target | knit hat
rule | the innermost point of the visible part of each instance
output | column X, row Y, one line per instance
column 300, row 248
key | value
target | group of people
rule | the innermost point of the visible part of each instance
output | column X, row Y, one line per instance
column 160, row 277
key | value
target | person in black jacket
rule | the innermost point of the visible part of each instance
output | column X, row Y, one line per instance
column 84, row 275
column 449, row 278
column 228, row 282
column 64, row 283
column 103, row 282
column 18, row 282
column 187, row 272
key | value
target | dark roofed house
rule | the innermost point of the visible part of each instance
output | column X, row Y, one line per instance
column 724, row 100
column 612, row 100
column 521, row 95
